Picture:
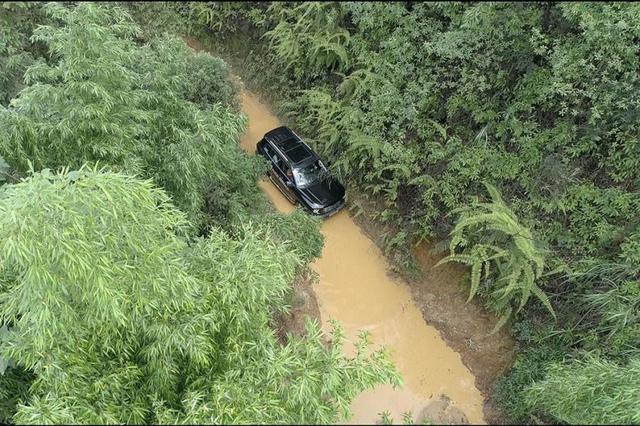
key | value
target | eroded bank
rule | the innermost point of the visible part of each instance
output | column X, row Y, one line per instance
column 356, row 289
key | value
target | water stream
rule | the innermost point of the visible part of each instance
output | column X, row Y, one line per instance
column 356, row 289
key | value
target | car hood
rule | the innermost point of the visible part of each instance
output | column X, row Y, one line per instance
column 323, row 193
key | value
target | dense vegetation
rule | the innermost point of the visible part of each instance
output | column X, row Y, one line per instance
column 141, row 269
column 419, row 104
column 509, row 130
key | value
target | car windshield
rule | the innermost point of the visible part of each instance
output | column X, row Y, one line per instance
column 307, row 175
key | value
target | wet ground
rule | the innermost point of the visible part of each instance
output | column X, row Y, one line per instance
column 440, row 343
column 356, row 289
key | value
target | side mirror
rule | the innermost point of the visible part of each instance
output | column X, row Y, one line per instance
column 288, row 183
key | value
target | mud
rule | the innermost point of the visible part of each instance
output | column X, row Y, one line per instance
column 464, row 326
column 356, row 289
column 304, row 305
column 448, row 370
column 441, row 293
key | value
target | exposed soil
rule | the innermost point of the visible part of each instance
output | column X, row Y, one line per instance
column 464, row 326
column 441, row 411
column 193, row 43
column 440, row 294
column 304, row 305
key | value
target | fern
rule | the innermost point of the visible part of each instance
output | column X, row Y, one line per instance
column 308, row 39
column 497, row 237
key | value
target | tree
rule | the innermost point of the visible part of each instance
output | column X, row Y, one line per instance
column 433, row 99
column 114, row 317
column 101, row 97
column 17, row 21
column 309, row 38
column 84, row 105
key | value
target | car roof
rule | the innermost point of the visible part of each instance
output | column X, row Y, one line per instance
column 290, row 145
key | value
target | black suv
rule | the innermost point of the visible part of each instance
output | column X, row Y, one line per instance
column 299, row 174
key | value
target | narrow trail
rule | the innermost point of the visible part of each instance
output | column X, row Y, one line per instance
column 356, row 289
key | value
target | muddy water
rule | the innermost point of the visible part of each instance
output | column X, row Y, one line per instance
column 356, row 289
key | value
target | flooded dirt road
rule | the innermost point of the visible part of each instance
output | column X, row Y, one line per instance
column 356, row 289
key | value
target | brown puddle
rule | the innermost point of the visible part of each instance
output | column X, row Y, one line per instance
column 356, row 289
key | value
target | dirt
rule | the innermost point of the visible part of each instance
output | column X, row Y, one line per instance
column 193, row 43
column 438, row 296
column 464, row 326
column 441, row 293
column 441, row 411
column 304, row 305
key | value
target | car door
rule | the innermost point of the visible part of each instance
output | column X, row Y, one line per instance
column 278, row 174
column 286, row 176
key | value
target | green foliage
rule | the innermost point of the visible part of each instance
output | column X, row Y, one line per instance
column 76, row 104
column 439, row 120
column 14, row 386
column 209, row 81
column 96, row 253
column 608, row 323
column 539, row 99
column 619, row 318
column 137, row 319
column 528, row 367
column 135, row 325
column 4, row 170
column 299, row 229
column 106, row 99
column 17, row 21
column 221, row 17
column 590, row 391
column 603, row 322
column 500, row 249
column 157, row 17
column 309, row 38
column 407, row 419
column 415, row 104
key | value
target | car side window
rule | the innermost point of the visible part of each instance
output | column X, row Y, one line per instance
column 278, row 161
column 268, row 151
column 288, row 173
column 275, row 158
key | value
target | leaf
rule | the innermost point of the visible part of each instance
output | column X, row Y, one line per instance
column 441, row 129
column 501, row 322
column 476, row 270
column 4, row 169
column 543, row 298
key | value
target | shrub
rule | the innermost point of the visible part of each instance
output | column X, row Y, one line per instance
column 495, row 245
column 209, row 81
column 589, row 391
column 135, row 325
